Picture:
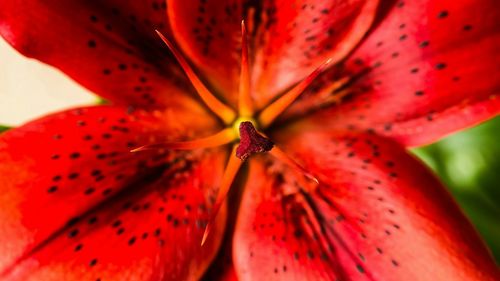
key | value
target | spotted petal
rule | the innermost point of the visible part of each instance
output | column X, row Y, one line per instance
column 295, row 38
column 110, row 47
column 429, row 69
column 77, row 205
column 377, row 214
column 209, row 33
column 289, row 40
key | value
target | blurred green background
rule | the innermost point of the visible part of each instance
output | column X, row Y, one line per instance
column 3, row 128
column 469, row 165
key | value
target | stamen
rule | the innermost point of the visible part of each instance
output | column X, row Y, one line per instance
column 282, row 156
column 223, row 137
column 244, row 100
column 270, row 113
column 328, row 91
column 217, row 107
column 335, row 98
column 232, row 168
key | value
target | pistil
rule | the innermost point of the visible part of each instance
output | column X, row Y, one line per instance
column 251, row 141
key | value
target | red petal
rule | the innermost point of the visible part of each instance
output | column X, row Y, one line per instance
column 377, row 214
column 432, row 70
column 60, row 172
column 110, row 48
column 294, row 39
column 290, row 40
column 209, row 32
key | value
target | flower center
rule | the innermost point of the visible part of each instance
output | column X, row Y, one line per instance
column 240, row 124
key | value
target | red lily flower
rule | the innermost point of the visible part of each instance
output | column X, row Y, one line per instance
column 331, row 195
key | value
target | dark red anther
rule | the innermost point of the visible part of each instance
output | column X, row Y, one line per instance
column 251, row 141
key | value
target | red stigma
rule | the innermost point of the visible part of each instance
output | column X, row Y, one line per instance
column 251, row 141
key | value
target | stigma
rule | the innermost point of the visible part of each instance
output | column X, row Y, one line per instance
column 251, row 141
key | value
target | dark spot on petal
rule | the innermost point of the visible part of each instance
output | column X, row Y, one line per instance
column 442, row 14
column 424, row 44
column 89, row 191
column 107, row 191
column 73, row 233
column 92, row 220
column 117, row 223
column 131, row 241
column 440, row 66
column 310, row 254
column 74, row 155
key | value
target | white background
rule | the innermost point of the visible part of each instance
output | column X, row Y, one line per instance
column 30, row 89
